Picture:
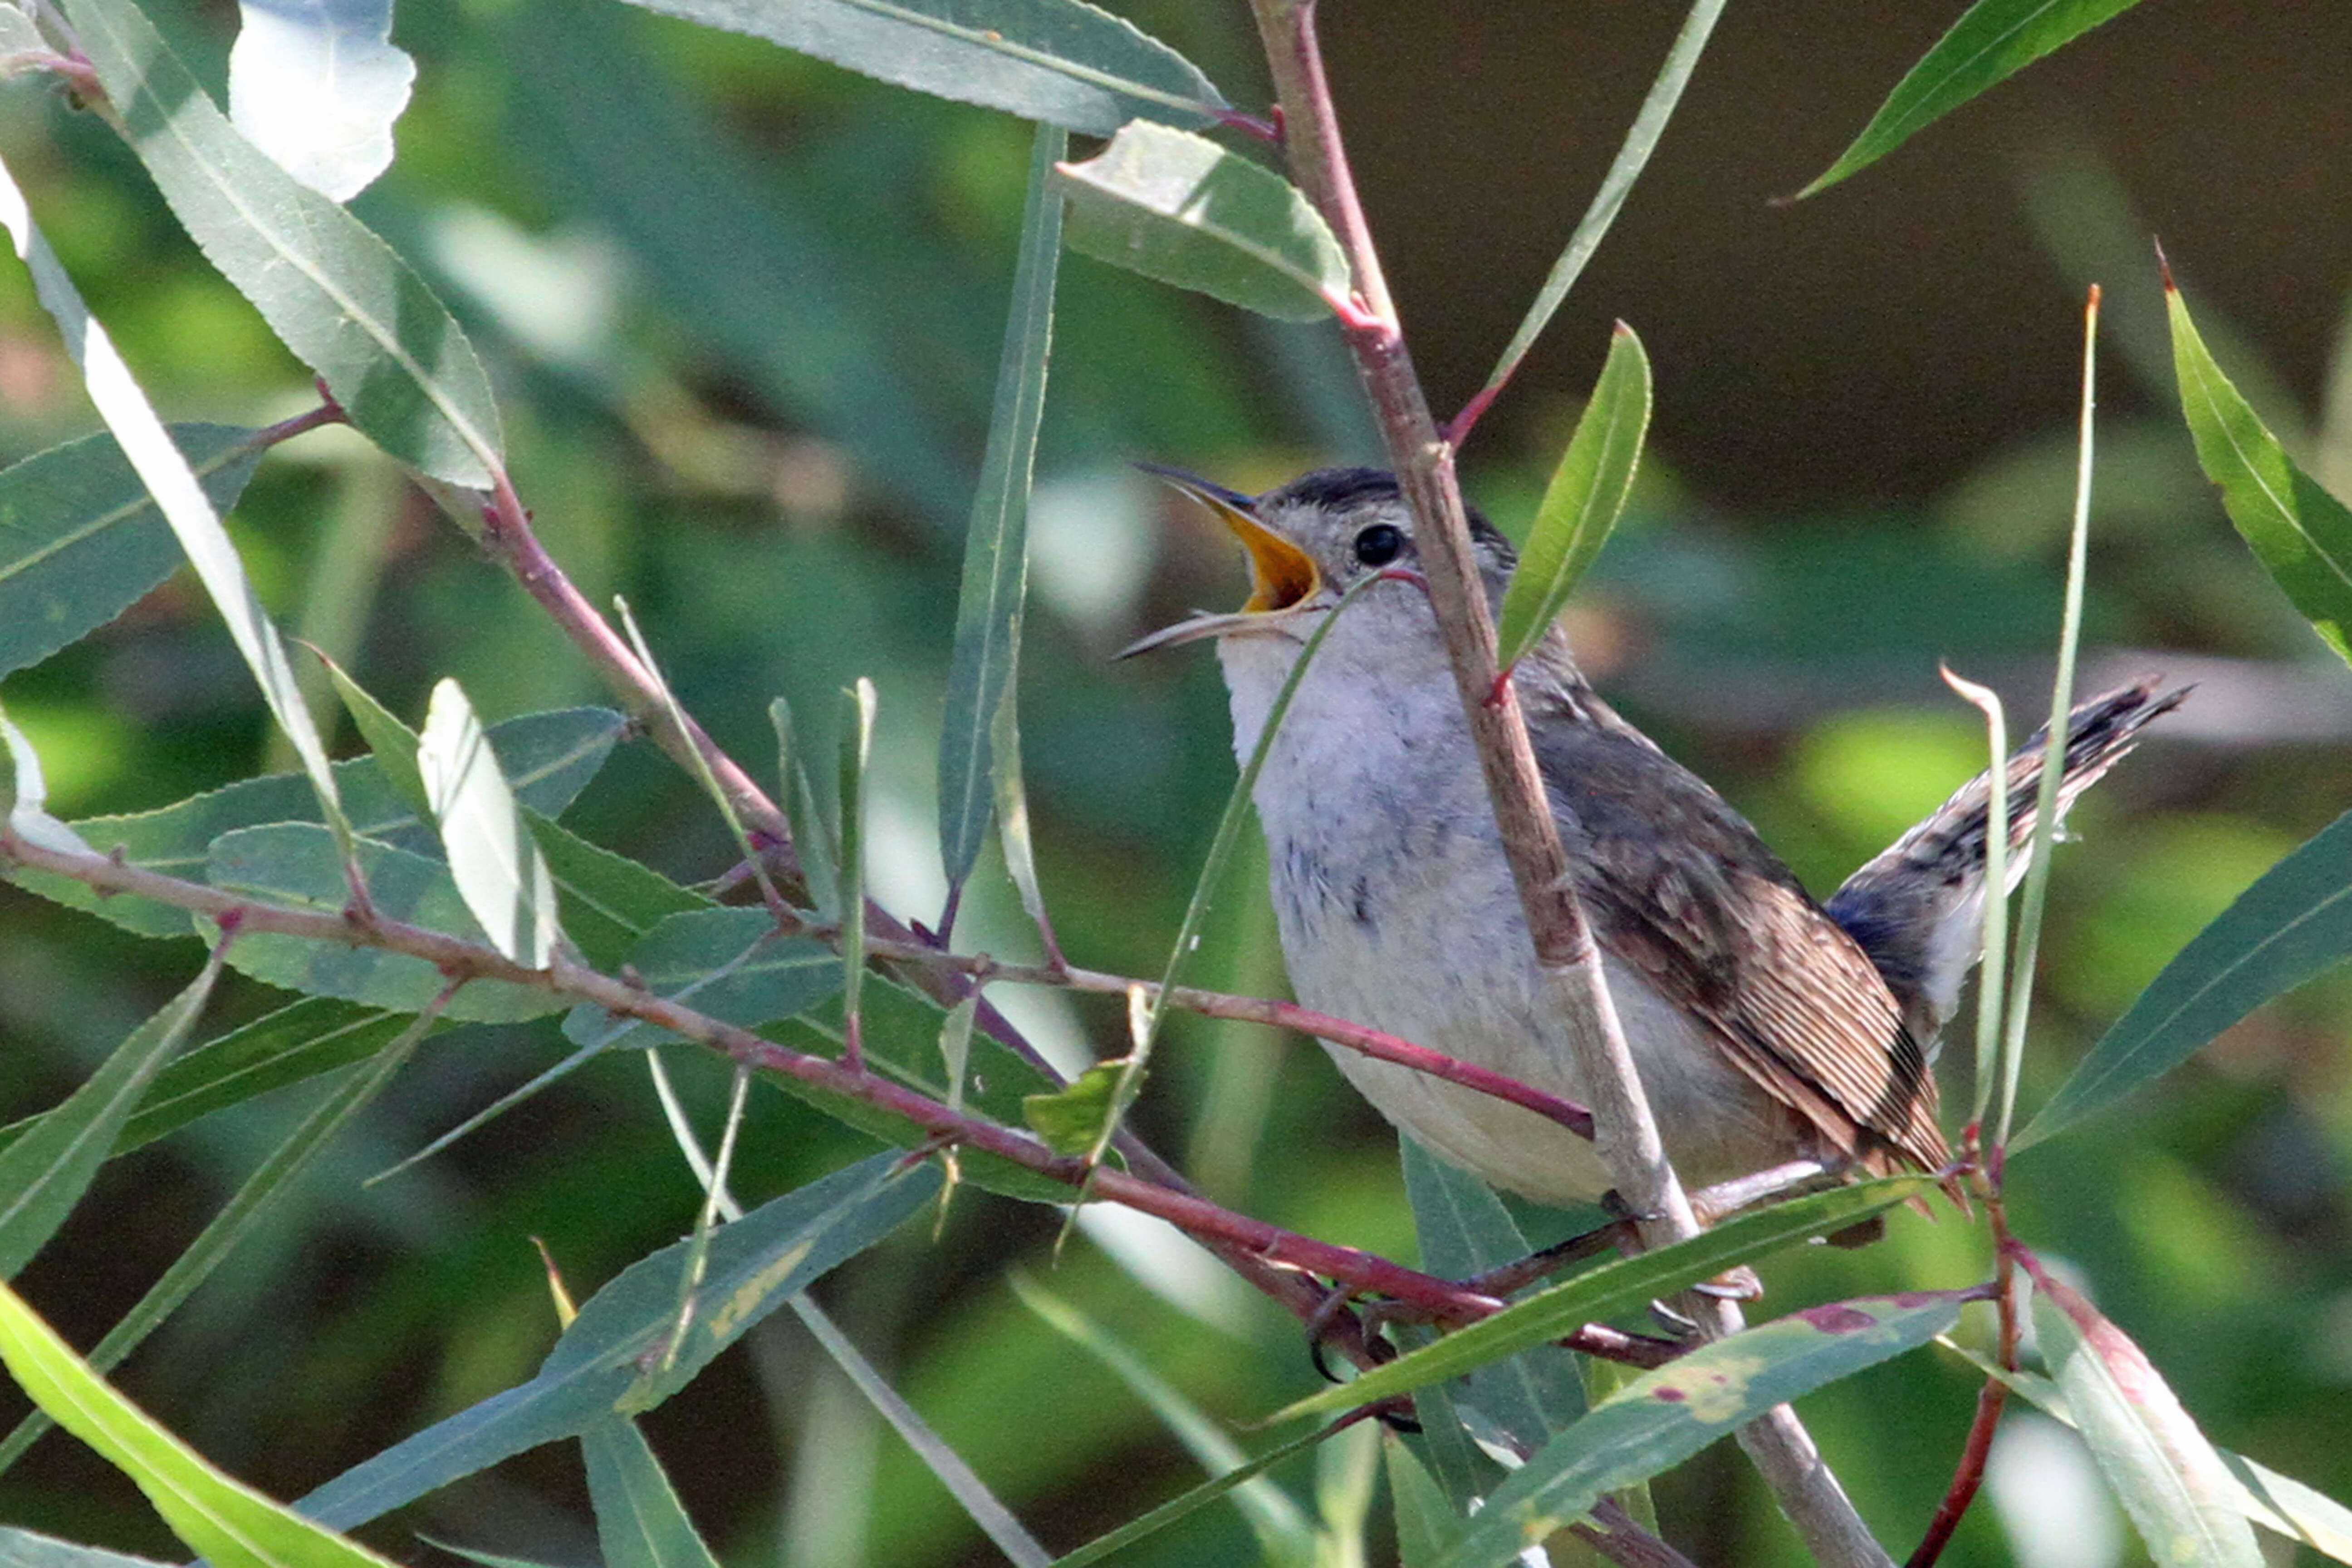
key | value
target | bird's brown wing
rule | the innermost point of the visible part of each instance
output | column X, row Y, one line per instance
column 1677, row 884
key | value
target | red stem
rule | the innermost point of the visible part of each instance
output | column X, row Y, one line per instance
column 1277, row 1250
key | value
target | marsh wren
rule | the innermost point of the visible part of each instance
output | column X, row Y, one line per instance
column 1767, row 1029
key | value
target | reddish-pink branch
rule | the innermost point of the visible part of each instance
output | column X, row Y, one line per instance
column 1274, row 1247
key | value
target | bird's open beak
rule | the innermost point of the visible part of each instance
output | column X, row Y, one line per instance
column 1282, row 576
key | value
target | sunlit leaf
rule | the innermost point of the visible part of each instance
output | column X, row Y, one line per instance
column 2276, row 1502
column 1588, row 490
column 491, row 857
column 1992, row 41
column 1055, row 60
column 81, row 540
column 226, row 1521
column 601, row 1365
column 178, row 495
column 1178, row 207
column 996, row 545
column 317, row 84
column 2293, row 923
column 1664, row 1416
column 338, row 297
column 2299, row 533
column 44, row 1173
column 1614, row 1286
column 2170, row 1479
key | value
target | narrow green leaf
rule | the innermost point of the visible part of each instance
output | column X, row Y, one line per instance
column 639, row 1521
column 996, row 545
column 224, row 1520
column 857, row 750
column 1614, row 1287
column 1464, row 1230
column 598, row 1367
column 393, row 743
column 333, row 292
column 1059, row 62
column 550, row 757
column 1992, row 41
column 252, row 1202
column 2026, row 936
column 177, row 493
column 1174, row 1509
column 700, row 764
column 294, row 863
column 1013, row 806
column 1283, row 1534
column 819, row 851
column 2293, row 923
column 316, row 1035
column 2168, row 1476
column 81, row 540
column 972, row 1494
column 1426, row 1524
column 492, row 858
column 2301, row 534
column 44, row 1173
column 1588, row 490
column 1180, row 208
column 2281, row 1503
column 23, row 1548
column 1640, row 140
column 1664, row 1416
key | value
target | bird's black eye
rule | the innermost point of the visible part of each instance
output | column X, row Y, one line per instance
column 1379, row 544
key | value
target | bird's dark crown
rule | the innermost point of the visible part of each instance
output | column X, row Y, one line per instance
column 1349, row 490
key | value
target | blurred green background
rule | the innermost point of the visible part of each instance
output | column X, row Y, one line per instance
column 743, row 312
